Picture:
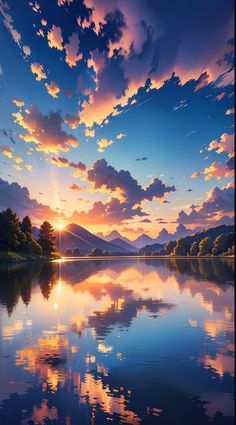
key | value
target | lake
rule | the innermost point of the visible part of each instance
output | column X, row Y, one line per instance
column 122, row 341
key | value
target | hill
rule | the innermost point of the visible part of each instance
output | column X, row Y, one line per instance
column 212, row 233
column 75, row 236
column 123, row 244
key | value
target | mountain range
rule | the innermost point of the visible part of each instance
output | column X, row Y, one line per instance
column 198, row 237
column 142, row 240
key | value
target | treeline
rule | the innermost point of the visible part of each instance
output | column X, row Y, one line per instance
column 222, row 245
column 95, row 252
column 17, row 236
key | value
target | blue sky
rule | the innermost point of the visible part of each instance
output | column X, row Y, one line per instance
column 152, row 83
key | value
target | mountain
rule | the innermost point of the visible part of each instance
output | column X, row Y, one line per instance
column 116, row 235
column 75, row 236
column 181, row 232
column 123, row 244
column 143, row 240
column 150, row 248
column 212, row 233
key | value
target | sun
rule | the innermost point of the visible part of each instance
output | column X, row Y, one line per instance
column 59, row 226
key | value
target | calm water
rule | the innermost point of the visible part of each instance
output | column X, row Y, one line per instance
column 119, row 341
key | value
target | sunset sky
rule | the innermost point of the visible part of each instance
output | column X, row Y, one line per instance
column 118, row 114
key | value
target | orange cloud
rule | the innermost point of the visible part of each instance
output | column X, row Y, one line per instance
column 217, row 170
column 18, row 103
column 225, row 144
column 53, row 89
column 45, row 131
column 38, row 70
column 103, row 144
column 72, row 121
column 55, row 39
column 72, row 50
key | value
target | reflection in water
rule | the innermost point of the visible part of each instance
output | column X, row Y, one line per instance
column 127, row 341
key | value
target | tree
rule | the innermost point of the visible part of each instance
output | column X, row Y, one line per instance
column 194, row 248
column 205, row 246
column 219, row 244
column 168, row 247
column 182, row 247
column 76, row 252
column 26, row 225
column 96, row 252
column 11, row 236
column 47, row 238
column 29, row 245
column 68, row 252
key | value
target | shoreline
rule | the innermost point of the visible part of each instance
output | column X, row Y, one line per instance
column 15, row 257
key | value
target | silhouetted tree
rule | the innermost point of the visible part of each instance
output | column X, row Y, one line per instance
column 68, row 252
column 47, row 238
column 182, row 247
column 26, row 225
column 76, row 252
column 11, row 235
column 194, row 248
column 205, row 246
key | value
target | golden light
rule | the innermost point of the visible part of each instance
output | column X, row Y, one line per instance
column 59, row 226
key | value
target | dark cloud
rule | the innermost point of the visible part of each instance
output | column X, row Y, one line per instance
column 144, row 158
column 217, row 208
column 12, row 195
column 45, row 130
column 63, row 162
column 102, row 175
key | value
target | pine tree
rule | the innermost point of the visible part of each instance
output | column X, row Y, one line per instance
column 26, row 225
column 47, row 238
column 11, row 235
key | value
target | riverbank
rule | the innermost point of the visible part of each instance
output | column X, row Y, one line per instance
column 15, row 257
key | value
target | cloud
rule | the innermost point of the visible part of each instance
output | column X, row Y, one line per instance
column 72, row 121
column 18, row 198
column 72, row 50
column 230, row 111
column 45, row 130
column 196, row 174
column 38, row 70
column 103, row 144
column 63, row 162
column 26, row 50
column 53, row 89
column 75, row 186
column 218, row 208
column 55, row 39
column 218, row 171
column 7, row 151
column 18, row 103
column 144, row 158
column 120, row 136
column 102, row 175
column 224, row 144
column 89, row 132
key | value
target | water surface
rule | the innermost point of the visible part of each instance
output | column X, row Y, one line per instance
column 122, row 341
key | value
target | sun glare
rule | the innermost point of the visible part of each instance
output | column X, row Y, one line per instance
column 59, row 226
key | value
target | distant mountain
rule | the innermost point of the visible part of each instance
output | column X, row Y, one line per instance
column 212, row 233
column 116, row 235
column 75, row 236
column 181, row 232
column 123, row 244
column 143, row 240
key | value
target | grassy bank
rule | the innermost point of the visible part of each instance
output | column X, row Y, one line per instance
column 13, row 257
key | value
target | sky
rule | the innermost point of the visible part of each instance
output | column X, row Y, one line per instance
column 118, row 115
